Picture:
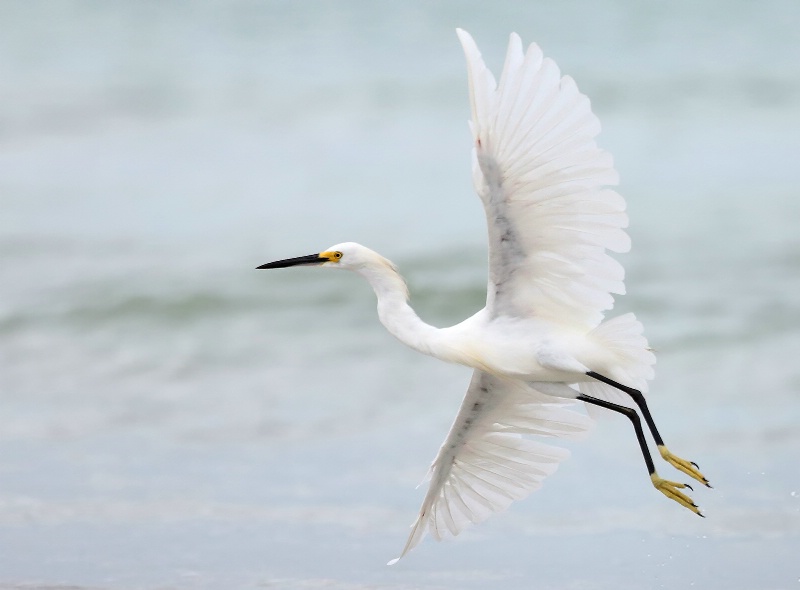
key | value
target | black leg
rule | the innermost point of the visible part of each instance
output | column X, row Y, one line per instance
column 668, row 488
column 688, row 467
column 638, row 398
column 634, row 418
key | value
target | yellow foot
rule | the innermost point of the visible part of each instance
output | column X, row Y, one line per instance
column 688, row 467
column 670, row 490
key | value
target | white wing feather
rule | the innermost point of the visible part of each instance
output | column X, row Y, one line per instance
column 541, row 178
column 486, row 462
column 551, row 220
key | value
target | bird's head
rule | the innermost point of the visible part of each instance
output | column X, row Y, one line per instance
column 347, row 256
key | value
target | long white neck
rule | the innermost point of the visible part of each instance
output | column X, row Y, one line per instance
column 397, row 315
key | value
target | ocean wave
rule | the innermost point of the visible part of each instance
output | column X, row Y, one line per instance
column 84, row 308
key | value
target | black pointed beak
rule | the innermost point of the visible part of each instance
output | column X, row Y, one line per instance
column 300, row 260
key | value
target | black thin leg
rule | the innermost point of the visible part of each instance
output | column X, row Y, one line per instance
column 668, row 488
column 638, row 398
column 633, row 417
column 688, row 467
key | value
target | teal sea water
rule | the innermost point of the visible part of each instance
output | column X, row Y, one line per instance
column 172, row 418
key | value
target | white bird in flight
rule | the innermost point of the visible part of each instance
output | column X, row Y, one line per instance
column 541, row 343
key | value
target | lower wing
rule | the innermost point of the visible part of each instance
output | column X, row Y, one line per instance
column 487, row 461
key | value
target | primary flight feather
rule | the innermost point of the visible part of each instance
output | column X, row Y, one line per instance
column 540, row 347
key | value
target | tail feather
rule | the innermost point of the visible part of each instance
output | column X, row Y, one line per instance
column 623, row 337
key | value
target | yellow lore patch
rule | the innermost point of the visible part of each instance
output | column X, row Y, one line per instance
column 334, row 256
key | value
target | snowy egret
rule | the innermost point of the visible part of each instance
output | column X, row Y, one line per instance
column 541, row 343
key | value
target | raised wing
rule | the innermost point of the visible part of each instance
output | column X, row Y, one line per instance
column 541, row 178
column 485, row 463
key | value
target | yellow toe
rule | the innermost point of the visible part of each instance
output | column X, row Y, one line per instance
column 671, row 490
column 687, row 467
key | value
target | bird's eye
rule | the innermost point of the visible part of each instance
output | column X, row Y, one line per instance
column 337, row 255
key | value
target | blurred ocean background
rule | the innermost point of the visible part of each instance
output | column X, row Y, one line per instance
column 172, row 418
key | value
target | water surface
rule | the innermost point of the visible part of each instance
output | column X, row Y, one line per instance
column 171, row 418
